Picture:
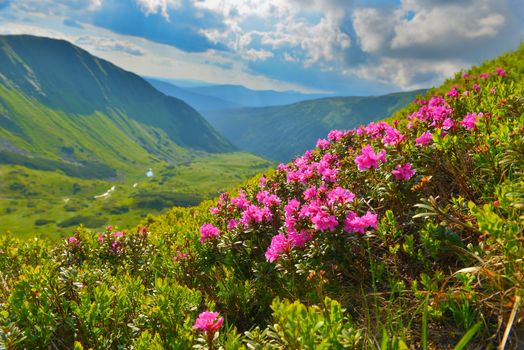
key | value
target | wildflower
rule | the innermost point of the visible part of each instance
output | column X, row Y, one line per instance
column 240, row 202
column 424, row 139
column 208, row 231
column 368, row 159
column 392, row 137
column 73, row 241
column 453, row 92
column 354, row 223
column 335, row 135
column 101, row 237
column 255, row 214
column 322, row 144
column 448, row 123
column 476, row 87
column 291, row 207
column 310, row 193
column 279, row 244
column 500, row 72
column 403, row 172
column 299, row 239
column 470, row 120
column 232, row 224
column 484, row 75
column 208, row 322
column 324, row 222
column 117, row 234
column 340, row 195
column 213, row 211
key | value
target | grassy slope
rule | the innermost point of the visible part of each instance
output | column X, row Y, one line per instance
column 282, row 132
column 35, row 202
column 403, row 285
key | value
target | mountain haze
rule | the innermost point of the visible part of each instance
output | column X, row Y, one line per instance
column 252, row 98
column 198, row 101
column 282, row 132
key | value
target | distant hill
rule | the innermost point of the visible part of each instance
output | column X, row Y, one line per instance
column 198, row 101
column 282, row 132
column 60, row 103
column 252, row 98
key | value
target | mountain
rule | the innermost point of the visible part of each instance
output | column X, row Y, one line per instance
column 198, row 101
column 252, row 98
column 282, row 132
column 50, row 89
column 73, row 126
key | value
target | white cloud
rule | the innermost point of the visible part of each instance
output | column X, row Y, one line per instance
column 150, row 7
column 109, row 44
column 56, row 7
column 424, row 41
column 256, row 55
column 311, row 26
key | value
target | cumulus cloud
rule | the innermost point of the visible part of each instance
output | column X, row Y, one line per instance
column 423, row 41
column 158, row 6
column 310, row 28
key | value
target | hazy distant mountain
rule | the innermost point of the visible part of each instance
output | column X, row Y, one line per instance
column 252, row 98
column 60, row 104
column 198, row 101
column 282, row 132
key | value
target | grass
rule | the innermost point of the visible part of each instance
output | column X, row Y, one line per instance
column 48, row 204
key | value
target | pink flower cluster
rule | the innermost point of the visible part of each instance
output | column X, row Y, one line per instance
column 470, row 120
column 403, row 172
column 208, row 231
column 369, row 159
column 311, row 198
column 208, row 322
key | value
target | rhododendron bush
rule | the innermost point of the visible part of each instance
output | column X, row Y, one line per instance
column 405, row 233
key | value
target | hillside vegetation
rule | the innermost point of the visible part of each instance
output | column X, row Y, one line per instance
column 398, row 235
column 283, row 132
column 72, row 126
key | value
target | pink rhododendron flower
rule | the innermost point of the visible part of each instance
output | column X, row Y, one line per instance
column 392, row 137
column 448, row 123
column 484, row 75
column 73, row 240
column 291, row 208
column 354, row 223
column 322, row 144
column 335, row 135
column 500, row 72
column 299, row 239
column 368, row 159
column 403, row 172
column 475, row 87
column 240, row 201
column 208, row 231
column 214, row 211
column 255, row 214
column 279, row 244
column 208, row 322
column 453, row 92
column 323, row 221
column 232, row 224
column 424, row 139
column 470, row 119
column 340, row 195
column 101, row 237
column 118, row 234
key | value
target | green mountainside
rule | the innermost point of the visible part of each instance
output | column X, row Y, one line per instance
column 73, row 126
column 283, row 132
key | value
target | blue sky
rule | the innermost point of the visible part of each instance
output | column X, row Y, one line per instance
column 348, row 47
